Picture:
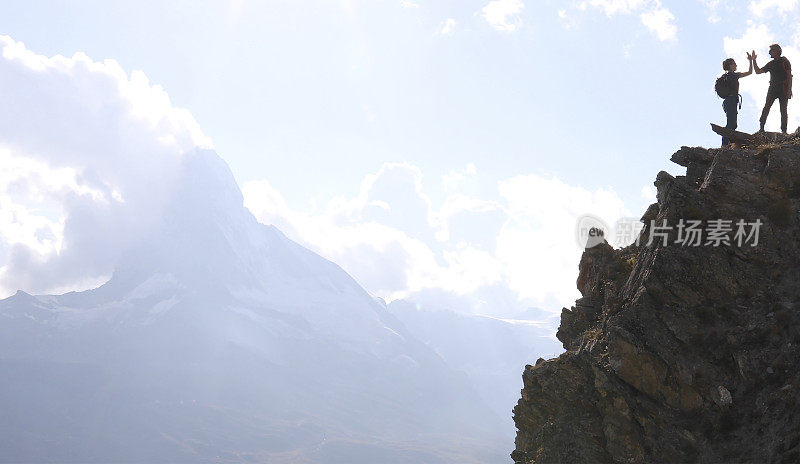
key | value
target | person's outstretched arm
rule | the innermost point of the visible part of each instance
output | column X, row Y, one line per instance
column 749, row 71
column 755, row 65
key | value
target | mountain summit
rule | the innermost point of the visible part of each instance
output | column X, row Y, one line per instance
column 218, row 339
column 683, row 349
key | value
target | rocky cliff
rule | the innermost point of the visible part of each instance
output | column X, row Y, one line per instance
column 678, row 351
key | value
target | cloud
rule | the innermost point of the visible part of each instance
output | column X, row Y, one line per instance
column 652, row 13
column 447, row 26
column 451, row 180
column 649, row 193
column 612, row 7
column 660, row 21
column 464, row 253
column 88, row 152
column 567, row 20
column 538, row 245
column 503, row 15
column 408, row 4
column 761, row 7
column 384, row 236
column 712, row 8
column 756, row 37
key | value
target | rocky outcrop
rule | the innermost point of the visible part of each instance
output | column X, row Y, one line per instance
column 743, row 139
column 679, row 353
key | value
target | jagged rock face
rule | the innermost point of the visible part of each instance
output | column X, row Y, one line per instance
column 682, row 353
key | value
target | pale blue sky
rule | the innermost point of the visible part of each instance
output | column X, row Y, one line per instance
column 285, row 88
column 311, row 98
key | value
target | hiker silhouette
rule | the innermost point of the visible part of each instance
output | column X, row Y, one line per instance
column 780, row 84
column 727, row 87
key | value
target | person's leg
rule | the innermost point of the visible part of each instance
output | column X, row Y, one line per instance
column 783, row 100
column 771, row 96
column 729, row 105
column 733, row 113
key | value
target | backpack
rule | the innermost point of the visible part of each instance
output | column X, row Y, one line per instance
column 723, row 86
column 786, row 70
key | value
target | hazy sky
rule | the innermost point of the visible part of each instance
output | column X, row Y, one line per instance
column 437, row 150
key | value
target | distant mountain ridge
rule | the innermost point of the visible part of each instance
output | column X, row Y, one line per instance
column 221, row 340
column 488, row 350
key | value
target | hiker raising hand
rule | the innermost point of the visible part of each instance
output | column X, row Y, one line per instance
column 780, row 84
column 727, row 87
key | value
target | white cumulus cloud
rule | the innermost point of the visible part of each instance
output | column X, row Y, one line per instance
column 538, row 245
column 761, row 7
column 465, row 253
column 661, row 22
column 652, row 13
column 503, row 15
column 87, row 153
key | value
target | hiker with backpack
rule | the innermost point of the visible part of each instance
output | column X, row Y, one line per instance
column 727, row 87
column 780, row 84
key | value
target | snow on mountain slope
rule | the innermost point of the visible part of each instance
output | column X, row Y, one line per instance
column 219, row 339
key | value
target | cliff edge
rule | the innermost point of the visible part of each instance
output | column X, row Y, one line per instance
column 683, row 348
